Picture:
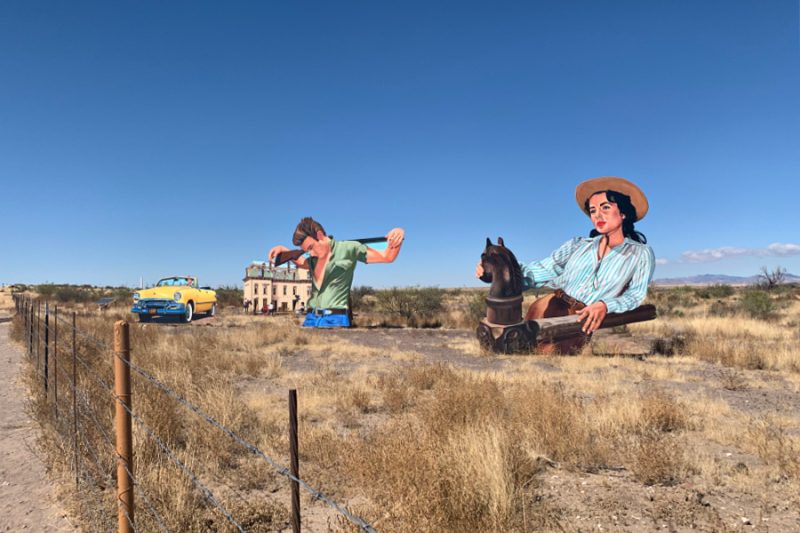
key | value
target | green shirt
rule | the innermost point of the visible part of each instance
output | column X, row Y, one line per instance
column 338, row 278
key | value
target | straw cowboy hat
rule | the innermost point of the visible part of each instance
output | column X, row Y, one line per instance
column 585, row 190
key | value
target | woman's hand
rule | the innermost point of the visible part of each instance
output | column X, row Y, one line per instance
column 592, row 316
column 395, row 237
column 479, row 270
column 273, row 253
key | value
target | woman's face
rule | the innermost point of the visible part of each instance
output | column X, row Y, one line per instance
column 605, row 215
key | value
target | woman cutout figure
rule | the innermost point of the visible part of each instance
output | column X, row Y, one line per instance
column 606, row 272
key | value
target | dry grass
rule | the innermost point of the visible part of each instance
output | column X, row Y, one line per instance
column 466, row 445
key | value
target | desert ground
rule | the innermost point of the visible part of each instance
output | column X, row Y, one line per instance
column 690, row 422
column 27, row 497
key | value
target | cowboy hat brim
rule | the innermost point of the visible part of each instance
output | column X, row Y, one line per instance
column 585, row 190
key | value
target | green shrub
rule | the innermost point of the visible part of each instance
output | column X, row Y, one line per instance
column 358, row 297
column 229, row 296
column 757, row 304
column 414, row 305
column 722, row 309
column 715, row 291
column 476, row 306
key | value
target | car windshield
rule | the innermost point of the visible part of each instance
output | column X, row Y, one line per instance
column 175, row 282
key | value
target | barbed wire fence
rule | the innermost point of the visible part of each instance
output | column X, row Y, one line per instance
column 85, row 397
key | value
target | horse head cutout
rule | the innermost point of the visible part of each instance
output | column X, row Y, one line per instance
column 501, row 269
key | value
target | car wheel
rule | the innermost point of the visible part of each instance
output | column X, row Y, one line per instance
column 187, row 317
column 144, row 318
column 212, row 311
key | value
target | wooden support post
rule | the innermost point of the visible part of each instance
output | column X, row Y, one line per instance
column 122, row 390
column 294, row 460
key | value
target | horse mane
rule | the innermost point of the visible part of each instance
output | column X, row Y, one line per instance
column 509, row 261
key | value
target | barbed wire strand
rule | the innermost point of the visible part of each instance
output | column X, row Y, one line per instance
column 93, row 418
column 94, row 478
column 98, row 343
column 108, row 477
column 282, row 470
column 155, row 514
column 203, row 489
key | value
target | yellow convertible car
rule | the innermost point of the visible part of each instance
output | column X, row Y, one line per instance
column 177, row 296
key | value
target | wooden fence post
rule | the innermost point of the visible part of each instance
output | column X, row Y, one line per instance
column 122, row 390
column 294, row 461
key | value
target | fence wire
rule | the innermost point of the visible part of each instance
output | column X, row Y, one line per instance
column 33, row 339
column 280, row 469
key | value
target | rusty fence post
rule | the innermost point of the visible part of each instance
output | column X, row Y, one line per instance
column 55, row 363
column 30, row 329
column 122, row 391
column 294, row 460
column 75, row 403
column 38, row 333
column 46, row 345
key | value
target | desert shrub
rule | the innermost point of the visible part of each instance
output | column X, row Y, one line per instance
column 476, row 306
column 414, row 305
column 715, row 291
column 672, row 301
column 359, row 300
column 723, row 309
column 120, row 293
column 229, row 296
column 46, row 290
column 757, row 304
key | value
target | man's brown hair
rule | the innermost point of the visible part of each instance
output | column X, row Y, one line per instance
column 308, row 227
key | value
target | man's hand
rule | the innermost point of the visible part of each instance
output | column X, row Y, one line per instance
column 395, row 237
column 479, row 270
column 592, row 316
column 273, row 253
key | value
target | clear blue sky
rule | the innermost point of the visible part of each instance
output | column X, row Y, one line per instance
column 155, row 138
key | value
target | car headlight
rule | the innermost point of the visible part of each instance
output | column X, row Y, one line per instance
column 177, row 296
column 135, row 296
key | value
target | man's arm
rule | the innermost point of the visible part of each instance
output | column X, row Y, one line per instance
column 395, row 240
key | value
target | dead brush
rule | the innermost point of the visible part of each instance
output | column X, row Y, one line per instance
column 731, row 379
column 661, row 412
column 656, row 451
column 769, row 439
column 395, row 393
column 658, row 458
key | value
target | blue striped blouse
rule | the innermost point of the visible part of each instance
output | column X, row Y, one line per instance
column 620, row 279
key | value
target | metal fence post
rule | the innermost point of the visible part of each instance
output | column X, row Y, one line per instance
column 46, row 344
column 75, row 402
column 122, row 390
column 38, row 332
column 55, row 363
column 30, row 329
column 294, row 460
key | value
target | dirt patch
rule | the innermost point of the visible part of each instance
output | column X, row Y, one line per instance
column 27, row 498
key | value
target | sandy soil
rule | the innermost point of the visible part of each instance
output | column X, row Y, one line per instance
column 27, row 498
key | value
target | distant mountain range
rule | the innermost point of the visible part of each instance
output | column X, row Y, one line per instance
column 717, row 279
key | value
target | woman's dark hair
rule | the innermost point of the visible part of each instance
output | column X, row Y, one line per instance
column 626, row 208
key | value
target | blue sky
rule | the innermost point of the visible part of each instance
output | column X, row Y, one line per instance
column 154, row 138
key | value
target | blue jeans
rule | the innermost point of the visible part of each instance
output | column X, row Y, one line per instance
column 321, row 320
